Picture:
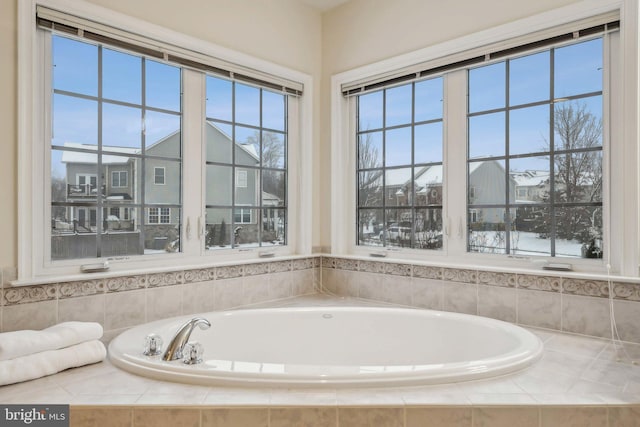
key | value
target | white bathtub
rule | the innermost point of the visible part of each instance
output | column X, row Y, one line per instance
column 350, row 346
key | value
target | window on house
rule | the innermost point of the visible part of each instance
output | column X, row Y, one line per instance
column 399, row 151
column 537, row 119
column 159, row 216
column 102, row 121
column 246, row 165
column 158, row 175
column 119, row 179
column 241, row 179
column 242, row 216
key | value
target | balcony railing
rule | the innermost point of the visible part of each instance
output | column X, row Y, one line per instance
column 84, row 190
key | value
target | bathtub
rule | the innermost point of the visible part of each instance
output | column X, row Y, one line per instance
column 341, row 346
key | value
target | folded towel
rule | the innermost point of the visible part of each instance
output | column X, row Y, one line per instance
column 21, row 343
column 50, row 362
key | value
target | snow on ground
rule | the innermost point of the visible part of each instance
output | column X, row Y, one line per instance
column 528, row 243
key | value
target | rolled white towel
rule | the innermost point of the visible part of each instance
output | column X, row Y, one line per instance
column 21, row 343
column 50, row 362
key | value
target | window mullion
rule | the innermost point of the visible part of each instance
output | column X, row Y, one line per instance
column 192, row 219
column 455, row 164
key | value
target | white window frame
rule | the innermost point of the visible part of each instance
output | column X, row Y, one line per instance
column 34, row 228
column 239, row 209
column 621, row 216
column 155, row 175
column 159, row 213
column 119, row 173
column 241, row 178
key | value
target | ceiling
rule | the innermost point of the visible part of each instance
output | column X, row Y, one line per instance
column 324, row 5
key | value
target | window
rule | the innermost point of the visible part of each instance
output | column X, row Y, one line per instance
column 158, row 175
column 241, row 179
column 159, row 216
column 504, row 143
column 246, row 138
column 242, row 216
column 400, row 154
column 127, row 124
column 149, row 126
column 536, row 120
column 119, row 179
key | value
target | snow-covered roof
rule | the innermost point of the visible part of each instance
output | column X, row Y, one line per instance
column 90, row 158
column 530, row 178
column 429, row 176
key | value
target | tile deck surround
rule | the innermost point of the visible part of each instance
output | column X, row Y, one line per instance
column 575, row 372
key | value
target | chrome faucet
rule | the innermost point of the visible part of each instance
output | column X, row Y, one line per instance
column 176, row 345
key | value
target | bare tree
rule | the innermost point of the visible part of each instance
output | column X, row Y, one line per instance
column 577, row 174
column 370, row 190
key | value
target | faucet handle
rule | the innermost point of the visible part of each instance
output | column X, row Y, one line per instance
column 152, row 345
column 193, row 352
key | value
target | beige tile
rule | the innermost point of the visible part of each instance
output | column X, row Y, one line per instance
column 497, row 302
column 303, row 417
column 306, row 397
column 227, row 293
column 539, row 308
column 279, row 285
column 124, row 309
column 370, row 417
column 174, row 417
column 83, row 416
column 386, row 287
column 427, row 293
column 197, row 297
column 627, row 314
column 625, row 416
column 574, row 417
column 237, row 397
column 586, row 315
column 460, row 298
column 438, row 417
column 163, row 302
column 576, row 345
column 241, row 417
column 302, row 282
column 506, row 417
column 83, row 309
column 112, row 383
column 37, row 315
column 255, row 289
column 368, row 285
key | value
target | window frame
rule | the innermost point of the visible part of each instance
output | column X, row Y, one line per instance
column 119, row 174
column 155, row 175
column 621, row 104
column 33, row 124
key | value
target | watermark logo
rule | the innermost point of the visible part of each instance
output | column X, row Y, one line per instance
column 34, row 415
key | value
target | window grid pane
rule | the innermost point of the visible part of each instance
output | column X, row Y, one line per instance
column 108, row 133
column 535, row 176
column 246, row 165
column 399, row 171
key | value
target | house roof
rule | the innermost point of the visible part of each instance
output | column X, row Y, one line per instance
column 91, row 158
column 249, row 148
column 530, row 178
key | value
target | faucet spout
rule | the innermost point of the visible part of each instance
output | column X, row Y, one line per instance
column 176, row 345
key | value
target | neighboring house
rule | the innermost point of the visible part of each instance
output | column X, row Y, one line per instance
column 532, row 186
column 486, row 187
column 120, row 175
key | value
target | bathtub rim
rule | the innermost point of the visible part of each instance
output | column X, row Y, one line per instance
column 155, row 368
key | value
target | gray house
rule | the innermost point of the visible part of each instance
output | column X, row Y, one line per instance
column 121, row 173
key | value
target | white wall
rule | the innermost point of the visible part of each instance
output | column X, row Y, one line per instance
column 361, row 32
